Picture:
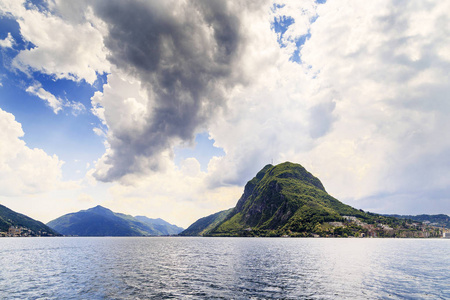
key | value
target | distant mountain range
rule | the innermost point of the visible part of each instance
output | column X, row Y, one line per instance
column 287, row 200
column 440, row 220
column 100, row 221
column 23, row 225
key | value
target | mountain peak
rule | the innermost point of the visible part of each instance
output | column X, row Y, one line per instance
column 98, row 207
column 277, row 198
column 100, row 210
column 296, row 171
column 101, row 221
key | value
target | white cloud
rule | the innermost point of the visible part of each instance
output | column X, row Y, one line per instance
column 55, row 103
column 75, row 107
column 368, row 91
column 24, row 171
column 178, row 196
column 370, row 115
column 62, row 49
column 7, row 42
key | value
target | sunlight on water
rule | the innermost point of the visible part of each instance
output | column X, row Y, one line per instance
column 138, row 268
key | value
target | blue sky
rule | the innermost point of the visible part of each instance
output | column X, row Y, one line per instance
column 121, row 104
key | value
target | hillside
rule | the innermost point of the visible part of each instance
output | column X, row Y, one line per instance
column 204, row 225
column 26, row 225
column 287, row 200
column 100, row 221
column 159, row 225
column 440, row 220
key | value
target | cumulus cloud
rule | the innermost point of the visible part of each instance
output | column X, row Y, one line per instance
column 364, row 109
column 171, row 75
column 24, row 171
column 369, row 87
column 7, row 42
column 62, row 49
column 385, row 65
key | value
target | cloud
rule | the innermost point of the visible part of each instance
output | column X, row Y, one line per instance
column 365, row 108
column 179, row 196
column 7, row 42
column 24, row 171
column 171, row 76
column 55, row 103
column 60, row 48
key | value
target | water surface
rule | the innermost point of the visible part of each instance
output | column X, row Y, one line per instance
column 239, row 268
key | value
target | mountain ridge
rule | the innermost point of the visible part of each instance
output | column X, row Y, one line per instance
column 101, row 221
column 25, row 225
column 287, row 200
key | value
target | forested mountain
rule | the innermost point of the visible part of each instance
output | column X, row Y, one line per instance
column 287, row 200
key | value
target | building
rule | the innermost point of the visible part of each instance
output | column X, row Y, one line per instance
column 14, row 231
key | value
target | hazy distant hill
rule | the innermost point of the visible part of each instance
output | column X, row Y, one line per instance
column 435, row 220
column 165, row 228
column 288, row 200
column 100, row 221
column 204, row 225
column 10, row 218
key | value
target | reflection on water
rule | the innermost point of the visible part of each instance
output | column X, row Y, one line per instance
column 138, row 268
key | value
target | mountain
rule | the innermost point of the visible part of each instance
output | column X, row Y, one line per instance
column 287, row 200
column 100, row 221
column 440, row 220
column 160, row 225
column 204, row 225
column 26, row 225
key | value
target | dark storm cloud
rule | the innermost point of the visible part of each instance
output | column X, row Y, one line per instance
column 184, row 54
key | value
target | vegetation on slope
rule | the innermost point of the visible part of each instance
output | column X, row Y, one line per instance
column 204, row 225
column 439, row 220
column 288, row 200
column 10, row 218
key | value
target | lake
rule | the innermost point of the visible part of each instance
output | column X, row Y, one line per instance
column 227, row 268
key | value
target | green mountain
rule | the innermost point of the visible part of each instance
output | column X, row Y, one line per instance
column 287, row 200
column 29, row 226
column 100, row 221
column 204, row 225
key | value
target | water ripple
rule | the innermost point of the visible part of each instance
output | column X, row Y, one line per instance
column 223, row 268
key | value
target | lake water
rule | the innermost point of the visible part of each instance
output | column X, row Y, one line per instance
column 229, row 268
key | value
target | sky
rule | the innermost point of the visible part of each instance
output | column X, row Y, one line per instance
column 167, row 108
